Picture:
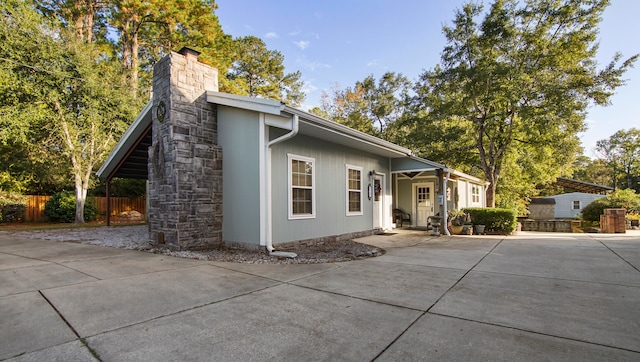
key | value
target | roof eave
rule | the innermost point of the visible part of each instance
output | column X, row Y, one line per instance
column 131, row 135
column 317, row 121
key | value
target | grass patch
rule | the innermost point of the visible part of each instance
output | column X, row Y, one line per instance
column 91, row 350
column 32, row 227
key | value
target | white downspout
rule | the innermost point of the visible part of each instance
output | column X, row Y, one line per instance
column 284, row 137
column 444, row 217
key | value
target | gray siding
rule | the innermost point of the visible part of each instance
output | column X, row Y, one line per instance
column 238, row 134
column 330, row 188
column 564, row 203
column 404, row 200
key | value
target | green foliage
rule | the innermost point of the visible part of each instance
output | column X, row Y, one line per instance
column 61, row 207
column 595, row 171
column 494, row 219
column 627, row 199
column 121, row 187
column 371, row 106
column 458, row 217
column 621, row 152
column 259, row 72
column 512, row 90
column 12, row 207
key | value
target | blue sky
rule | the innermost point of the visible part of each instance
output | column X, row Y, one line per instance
column 340, row 42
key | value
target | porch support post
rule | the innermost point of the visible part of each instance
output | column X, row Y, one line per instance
column 442, row 198
column 108, row 187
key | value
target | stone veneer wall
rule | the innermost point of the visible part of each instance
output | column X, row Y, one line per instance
column 185, row 163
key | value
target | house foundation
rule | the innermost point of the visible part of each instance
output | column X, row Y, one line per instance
column 185, row 161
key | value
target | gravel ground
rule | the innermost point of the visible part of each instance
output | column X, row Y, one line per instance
column 136, row 238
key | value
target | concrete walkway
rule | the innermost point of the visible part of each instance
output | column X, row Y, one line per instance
column 526, row 297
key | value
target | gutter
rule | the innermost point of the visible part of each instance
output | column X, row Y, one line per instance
column 444, row 216
column 269, row 241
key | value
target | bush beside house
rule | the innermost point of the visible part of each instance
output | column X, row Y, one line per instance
column 626, row 199
column 496, row 220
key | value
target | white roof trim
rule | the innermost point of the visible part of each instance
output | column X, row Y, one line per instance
column 126, row 141
column 435, row 165
column 250, row 103
column 338, row 128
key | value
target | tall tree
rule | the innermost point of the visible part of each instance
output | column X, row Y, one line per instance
column 594, row 171
column 149, row 29
column 371, row 106
column 622, row 153
column 258, row 72
column 26, row 165
column 84, row 18
column 348, row 107
column 517, row 84
column 67, row 94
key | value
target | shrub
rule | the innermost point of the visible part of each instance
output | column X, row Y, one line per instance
column 494, row 219
column 61, row 207
column 12, row 207
column 626, row 199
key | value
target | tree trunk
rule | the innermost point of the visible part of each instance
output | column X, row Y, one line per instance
column 81, row 197
column 134, row 64
column 491, row 194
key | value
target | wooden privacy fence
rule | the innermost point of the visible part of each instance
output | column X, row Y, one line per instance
column 35, row 206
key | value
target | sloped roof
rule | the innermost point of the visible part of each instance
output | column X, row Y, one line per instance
column 542, row 201
column 129, row 158
column 582, row 186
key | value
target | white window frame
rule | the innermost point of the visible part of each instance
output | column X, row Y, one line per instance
column 573, row 204
column 355, row 168
column 475, row 193
column 290, row 187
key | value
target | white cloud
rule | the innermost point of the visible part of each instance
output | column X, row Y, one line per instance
column 271, row 35
column 308, row 87
column 294, row 33
column 312, row 65
column 372, row 63
column 302, row 44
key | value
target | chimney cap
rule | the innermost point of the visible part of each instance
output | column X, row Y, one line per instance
column 186, row 51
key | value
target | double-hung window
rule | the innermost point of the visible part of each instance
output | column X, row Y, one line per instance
column 575, row 205
column 354, row 190
column 301, row 187
column 475, row 194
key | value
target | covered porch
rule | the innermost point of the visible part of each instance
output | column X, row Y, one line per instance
column 423, row 189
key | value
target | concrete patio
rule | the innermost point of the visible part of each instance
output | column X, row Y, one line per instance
column 533, row 296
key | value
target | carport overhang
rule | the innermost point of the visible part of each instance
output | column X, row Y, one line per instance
column 130, row 156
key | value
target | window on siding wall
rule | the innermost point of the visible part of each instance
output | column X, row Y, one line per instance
column 475, row 194
column 301, row 187
column 576, row 205
column 354, row 190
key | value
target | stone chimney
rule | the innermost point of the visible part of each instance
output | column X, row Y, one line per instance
column 185, row 161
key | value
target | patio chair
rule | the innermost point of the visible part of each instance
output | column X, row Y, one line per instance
column 400, row 217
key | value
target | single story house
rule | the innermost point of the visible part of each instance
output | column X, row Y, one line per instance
column 563, row 206
column 255, row 173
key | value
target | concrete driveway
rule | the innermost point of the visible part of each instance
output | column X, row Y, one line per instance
column 527, row 297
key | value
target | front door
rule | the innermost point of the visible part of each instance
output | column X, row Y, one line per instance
column 378, row 197
column 423, row 202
